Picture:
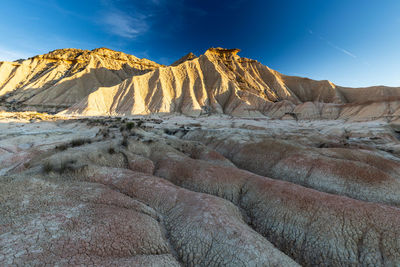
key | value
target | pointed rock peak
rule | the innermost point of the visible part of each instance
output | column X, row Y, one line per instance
column 226, row 54
column 187, row 57
column 220, row 50
column 103, row 50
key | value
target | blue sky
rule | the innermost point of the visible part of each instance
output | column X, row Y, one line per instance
column 350, row 42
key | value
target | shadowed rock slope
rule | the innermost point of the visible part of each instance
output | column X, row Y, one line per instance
column 64, row 77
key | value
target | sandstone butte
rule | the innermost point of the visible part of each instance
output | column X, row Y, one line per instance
column 216, row 160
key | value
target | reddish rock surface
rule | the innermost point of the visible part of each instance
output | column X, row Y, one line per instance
column 225, row 196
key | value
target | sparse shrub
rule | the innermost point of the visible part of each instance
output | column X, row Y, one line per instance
column 80, row 142
column 130, row 125
column 27, row 165
column 62, row 147
column 137, row 135
column 139, row 123
column 94, row 122
column 125, row 142
column 111, row 150
column 105, row 132
column 47, row 167
column 66, row 166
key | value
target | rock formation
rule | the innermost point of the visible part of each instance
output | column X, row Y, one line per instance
column 222, row 82
column 61, row 78
column 105, row 82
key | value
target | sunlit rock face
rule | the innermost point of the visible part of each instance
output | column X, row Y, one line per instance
column 106, row 82
column 220, row 81
column 216, row 160
column 63, row 77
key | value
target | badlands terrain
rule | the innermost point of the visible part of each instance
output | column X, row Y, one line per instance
column 111, row 160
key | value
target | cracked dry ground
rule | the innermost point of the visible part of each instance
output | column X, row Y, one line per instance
column 147, row 196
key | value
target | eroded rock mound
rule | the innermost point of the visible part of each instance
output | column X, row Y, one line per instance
column 63, row 77
column 106, row 82
column 220, row 81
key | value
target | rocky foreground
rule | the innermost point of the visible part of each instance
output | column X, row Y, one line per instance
column 206, row 191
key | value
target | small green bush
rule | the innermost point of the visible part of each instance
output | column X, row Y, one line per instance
column 130, row 125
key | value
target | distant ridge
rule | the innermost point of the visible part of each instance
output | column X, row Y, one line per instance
column 107, row 82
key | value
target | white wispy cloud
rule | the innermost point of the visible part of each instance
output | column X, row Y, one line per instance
column 338, row 48
column 125, row 25
column 345, row 51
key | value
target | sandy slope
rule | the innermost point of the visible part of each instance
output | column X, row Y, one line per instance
column 63, row 77
column 105, row 82
column 222, row 82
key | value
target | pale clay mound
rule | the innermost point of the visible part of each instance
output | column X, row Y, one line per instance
column 64, row 77
column 221, row 82
column 208, row 191
column 105, row 82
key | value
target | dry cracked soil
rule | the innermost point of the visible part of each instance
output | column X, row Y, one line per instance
column 207, row 191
